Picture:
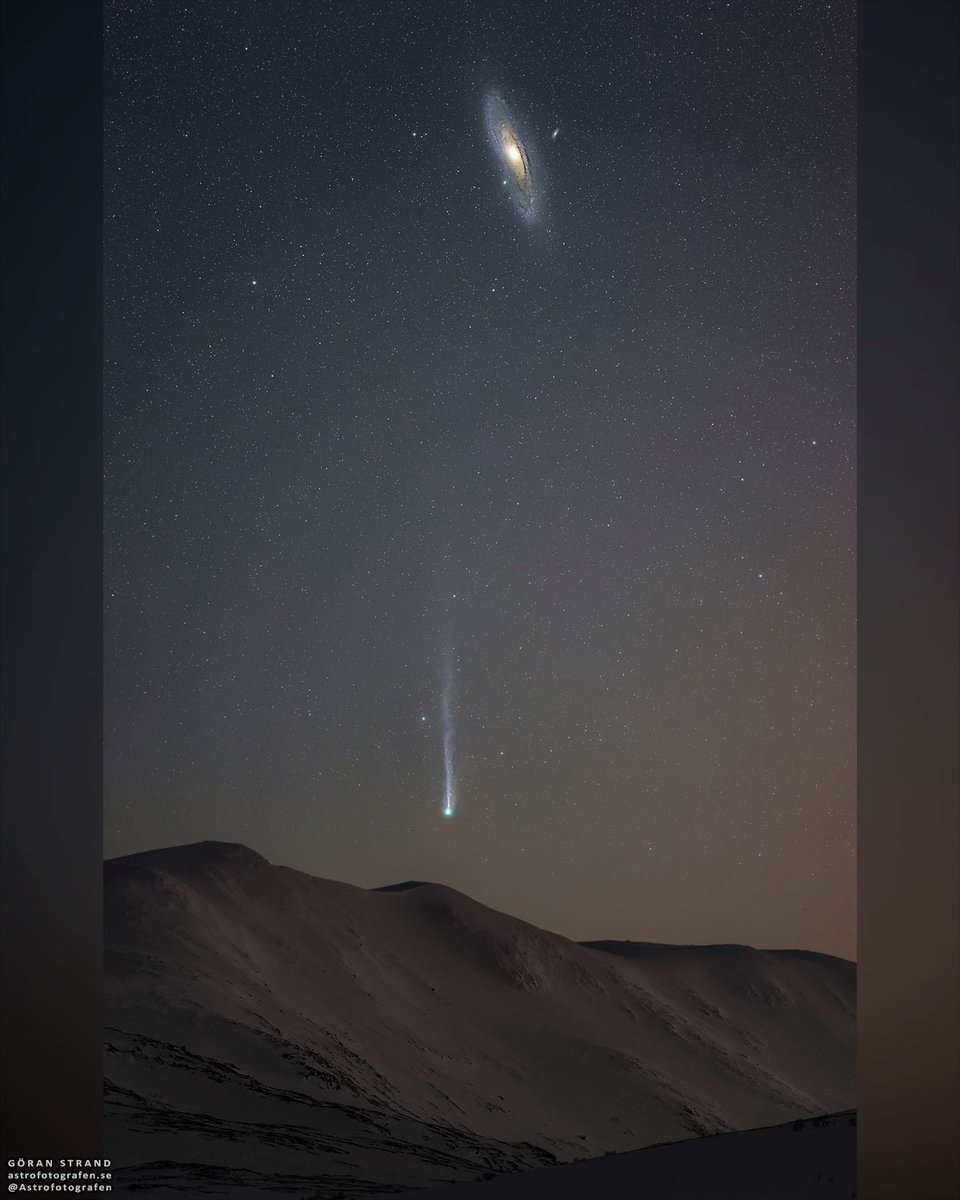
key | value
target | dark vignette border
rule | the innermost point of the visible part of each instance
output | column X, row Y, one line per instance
column 52, row 642
column 909, row 898
column 51, row 606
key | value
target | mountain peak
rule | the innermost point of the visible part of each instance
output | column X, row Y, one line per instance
column 403, row 887
column 196, row 856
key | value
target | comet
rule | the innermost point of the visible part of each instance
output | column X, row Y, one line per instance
column 447, row 711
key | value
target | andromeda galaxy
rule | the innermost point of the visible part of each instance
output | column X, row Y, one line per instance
column 512, row 155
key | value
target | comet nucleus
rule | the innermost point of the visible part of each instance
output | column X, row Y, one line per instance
column 512, row 155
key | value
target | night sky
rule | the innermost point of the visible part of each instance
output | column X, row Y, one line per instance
column 396, row 467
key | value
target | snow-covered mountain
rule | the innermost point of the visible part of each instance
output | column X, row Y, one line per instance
column 297, row 1037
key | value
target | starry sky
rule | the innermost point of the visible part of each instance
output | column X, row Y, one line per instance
column 372, row 438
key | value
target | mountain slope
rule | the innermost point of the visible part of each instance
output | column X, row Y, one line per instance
column 300, row 1037
column 805, row 1160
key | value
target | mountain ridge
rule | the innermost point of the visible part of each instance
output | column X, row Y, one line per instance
column 210, row 851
